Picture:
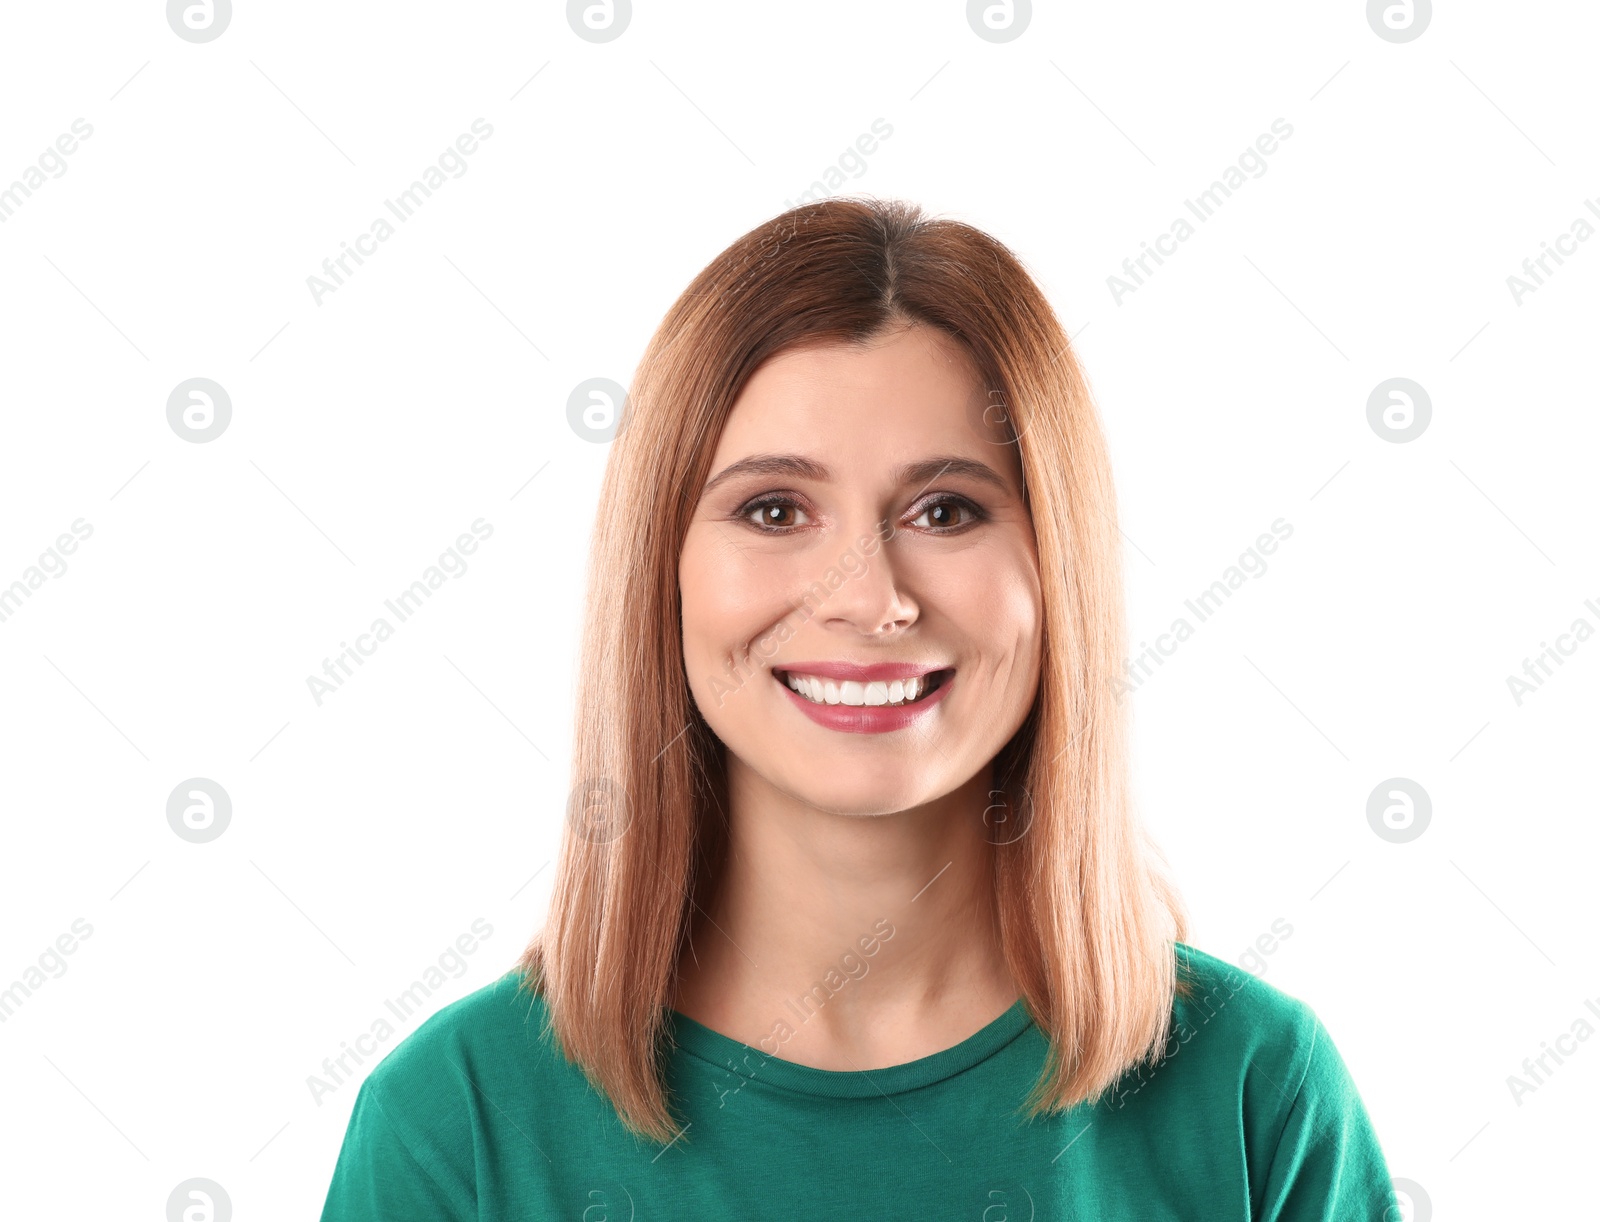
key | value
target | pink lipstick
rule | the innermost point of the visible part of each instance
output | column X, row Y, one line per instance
column 857, row 698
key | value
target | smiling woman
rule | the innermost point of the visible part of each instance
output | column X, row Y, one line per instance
column 855, row 586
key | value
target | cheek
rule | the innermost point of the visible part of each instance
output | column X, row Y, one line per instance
column 997, row 598
column 1025, row 606
column 698, row 585
column 729, row 599
column 1018, row 619
column 999, row 610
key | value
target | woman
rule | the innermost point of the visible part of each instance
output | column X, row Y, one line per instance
column 853, row 917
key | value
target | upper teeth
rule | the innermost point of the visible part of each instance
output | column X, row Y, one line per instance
column 828, row 691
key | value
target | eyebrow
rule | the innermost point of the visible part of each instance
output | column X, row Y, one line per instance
column 797, row 466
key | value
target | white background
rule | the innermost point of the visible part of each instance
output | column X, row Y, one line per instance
column 370, row 430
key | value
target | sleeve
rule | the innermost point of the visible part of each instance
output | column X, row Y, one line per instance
column 379, row 1177
column 1327, row 1165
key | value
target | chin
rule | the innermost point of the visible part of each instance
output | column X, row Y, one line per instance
column 871, row 794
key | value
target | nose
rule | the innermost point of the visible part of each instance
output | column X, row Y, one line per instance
column 875, row 599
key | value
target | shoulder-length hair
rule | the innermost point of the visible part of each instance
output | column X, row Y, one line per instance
column 1087, row 914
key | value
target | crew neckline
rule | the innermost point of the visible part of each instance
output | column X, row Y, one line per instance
column 756, row 1065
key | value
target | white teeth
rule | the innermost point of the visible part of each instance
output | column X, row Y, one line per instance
column 874, row 694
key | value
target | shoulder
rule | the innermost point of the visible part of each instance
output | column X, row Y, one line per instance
column 412, row 1147
column 1234, row 1042
column 474, row 1037
column 1242, row 1013
column 1309, row 1143
column 1246, row 1050
column 508, row 1007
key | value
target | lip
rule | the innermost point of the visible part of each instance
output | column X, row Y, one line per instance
column 860, row 672
column 864, row 719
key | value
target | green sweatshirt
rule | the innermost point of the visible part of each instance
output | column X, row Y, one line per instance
column 1251, row 1115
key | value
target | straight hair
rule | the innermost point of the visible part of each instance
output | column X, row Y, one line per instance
column 1088, row 916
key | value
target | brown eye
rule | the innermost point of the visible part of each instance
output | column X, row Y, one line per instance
column 776, row 514
column 944, row 514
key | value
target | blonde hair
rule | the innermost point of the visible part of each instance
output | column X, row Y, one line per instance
column 1087, row 914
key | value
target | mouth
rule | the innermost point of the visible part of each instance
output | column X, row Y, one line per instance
column 877, row 693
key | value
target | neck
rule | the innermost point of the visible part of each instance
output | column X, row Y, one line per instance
column 838, row 940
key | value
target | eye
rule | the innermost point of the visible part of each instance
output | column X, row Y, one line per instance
column 948, row 509
column 779, row 513
column 776, row 513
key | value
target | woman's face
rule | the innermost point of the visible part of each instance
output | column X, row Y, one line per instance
column 863, row 529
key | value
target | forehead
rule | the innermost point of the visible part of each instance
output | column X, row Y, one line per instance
column 915, row 390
